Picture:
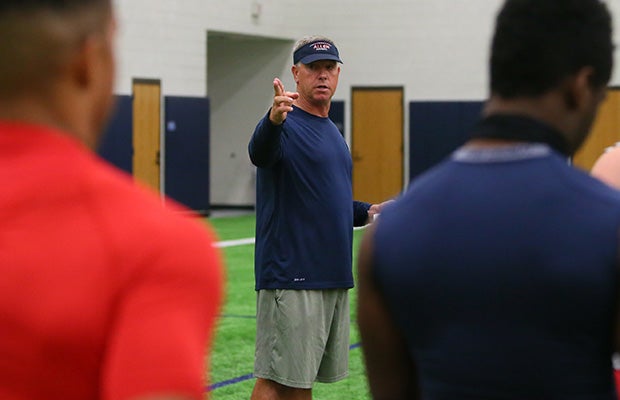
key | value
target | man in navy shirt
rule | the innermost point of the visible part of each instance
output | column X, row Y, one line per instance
column 304, row 218
column 496, row 275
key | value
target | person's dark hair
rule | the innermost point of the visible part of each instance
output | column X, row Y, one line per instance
column 538, row 43
column 39, row 35
column 56, row 5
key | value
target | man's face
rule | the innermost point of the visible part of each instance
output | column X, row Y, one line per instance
column 317, row 81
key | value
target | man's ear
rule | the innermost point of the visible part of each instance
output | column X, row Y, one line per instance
column 295, row 72
column 84, row 64
column 578, row 89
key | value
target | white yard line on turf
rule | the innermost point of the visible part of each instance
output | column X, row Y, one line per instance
column 241, row 242
column 238, row 242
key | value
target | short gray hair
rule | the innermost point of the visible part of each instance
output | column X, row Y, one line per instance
column 309, row 39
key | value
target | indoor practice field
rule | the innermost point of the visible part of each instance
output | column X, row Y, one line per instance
column 232, row 356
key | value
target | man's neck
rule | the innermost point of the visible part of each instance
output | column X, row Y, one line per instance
column 320, row 110
column 544, row 109
column 516, row 122
column 28, row 109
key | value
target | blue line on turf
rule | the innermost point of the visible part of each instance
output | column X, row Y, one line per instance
column 230, row 382
column 242, row 378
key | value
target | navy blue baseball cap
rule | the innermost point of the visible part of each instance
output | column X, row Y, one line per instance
column 314, row 51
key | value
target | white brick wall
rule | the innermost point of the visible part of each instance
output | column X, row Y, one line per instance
column 166, row 39
column 435, row 49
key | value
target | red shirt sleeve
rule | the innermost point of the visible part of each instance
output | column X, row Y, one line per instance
column 164, row 319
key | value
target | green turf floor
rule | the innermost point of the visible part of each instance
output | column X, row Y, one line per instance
column 233, row 350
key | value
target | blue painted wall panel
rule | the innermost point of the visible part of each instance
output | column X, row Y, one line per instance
column 470, row 114
column 187, row 150
column 116, row 144
column 436, row 129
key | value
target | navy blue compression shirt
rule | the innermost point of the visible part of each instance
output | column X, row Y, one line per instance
column 501, row 269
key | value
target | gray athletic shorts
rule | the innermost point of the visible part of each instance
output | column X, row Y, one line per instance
column 302, row 336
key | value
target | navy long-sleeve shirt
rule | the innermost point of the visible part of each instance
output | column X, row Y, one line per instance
column 304, row 213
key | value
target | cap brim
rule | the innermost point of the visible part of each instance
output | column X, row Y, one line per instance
column 316, row 57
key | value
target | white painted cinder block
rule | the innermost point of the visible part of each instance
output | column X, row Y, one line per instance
column 434, row 49
column 437, row 49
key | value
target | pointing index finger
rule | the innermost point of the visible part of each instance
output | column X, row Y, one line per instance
column 278, row 88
